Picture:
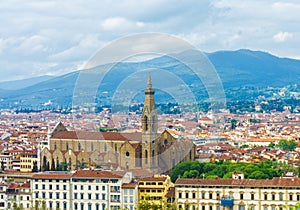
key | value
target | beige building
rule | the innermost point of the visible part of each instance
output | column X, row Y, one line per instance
column 237, row 193
column 114, row 150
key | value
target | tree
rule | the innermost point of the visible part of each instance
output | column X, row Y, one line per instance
column 287, row 145
column 271, row 145
column 258, row 175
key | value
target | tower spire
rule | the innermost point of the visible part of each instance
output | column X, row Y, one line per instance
column 149, row 85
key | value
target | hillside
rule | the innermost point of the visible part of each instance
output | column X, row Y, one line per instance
column 236, row 69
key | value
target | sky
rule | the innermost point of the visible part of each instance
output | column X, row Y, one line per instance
column 54, row 37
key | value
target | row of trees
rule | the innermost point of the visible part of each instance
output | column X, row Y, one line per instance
column 224, row 169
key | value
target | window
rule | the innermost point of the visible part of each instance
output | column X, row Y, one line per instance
column 57, row 187
column 37, row 195
column 273, row 197
column 103, row 196
column 210, row 195
column 241, row 207
column 65, row 187
column 241, row 196
column 97, row 196
column 280, row 196
column 187, row 195
column 179, row 195
column 50, row 187
column 65, row 205
column 81, row 187
column 203, row 195
column 65, row 195
column 146, row 156
column 50, row 195
column 43, row 187
column 57, row 195
column 36, row 186
column 89, row 187
column 89, row 196
column 194, row 195
column 291, row 197
column 75, row 187
column 252, row 196
column 43, row 195
column 89, row 206
column 103, row 187
column 82, row 206
column 127, row 154
column 75, row 195
column 266, row 196
column 75, row 206
column 97, row 187
column 81, row 196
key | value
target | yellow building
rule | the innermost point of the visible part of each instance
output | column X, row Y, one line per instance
column 150, row 150
column 27, row 160
column 154, row 189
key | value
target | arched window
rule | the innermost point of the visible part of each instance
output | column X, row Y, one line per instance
column 82, row 163
column 152, row 156
column 146, row 123
column 57, row 161
column 67, row 146
column 70, row 163
column 79, row 147
column 54, row 145
column 146, row 156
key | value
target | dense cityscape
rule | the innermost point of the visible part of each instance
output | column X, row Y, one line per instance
column 149, row 105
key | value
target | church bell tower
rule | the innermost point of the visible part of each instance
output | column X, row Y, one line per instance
column 149, row 116
column 149, row 128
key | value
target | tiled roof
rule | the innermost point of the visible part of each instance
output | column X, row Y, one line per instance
column 153, row 178
column 129, row 185
column 275, row 182
column 98, row 135
column 52, row 175
column 95, row 174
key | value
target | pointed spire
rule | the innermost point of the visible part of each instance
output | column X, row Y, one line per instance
column 149, row 82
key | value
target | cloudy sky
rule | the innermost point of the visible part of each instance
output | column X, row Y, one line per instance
column 53, row 37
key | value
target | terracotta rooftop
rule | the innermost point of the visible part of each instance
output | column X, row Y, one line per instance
column 129, row 185
column 275, row 182
column 95, row 174
column 98, row 135
column 153, row 178
column 52, row 175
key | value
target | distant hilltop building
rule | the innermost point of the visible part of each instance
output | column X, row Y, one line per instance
column 114, row 150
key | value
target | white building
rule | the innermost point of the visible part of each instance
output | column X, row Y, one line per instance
column 237, row 194
column 3, row 197
column 81, row 190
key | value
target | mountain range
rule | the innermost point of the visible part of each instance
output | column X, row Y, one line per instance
column 236, row 69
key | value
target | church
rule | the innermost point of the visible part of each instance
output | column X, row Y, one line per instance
column 158, row 152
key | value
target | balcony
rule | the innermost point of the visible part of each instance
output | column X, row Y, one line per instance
column 227, row 201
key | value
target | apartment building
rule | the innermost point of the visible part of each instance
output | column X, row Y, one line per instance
column 3, row 196
column 27, row 160
column 129, row 195
column 237, row 194
column 81, row 190
column 154, row 189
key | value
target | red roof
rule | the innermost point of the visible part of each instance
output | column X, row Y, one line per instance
column 275, row 182
column 98, row 135
column 95, row 174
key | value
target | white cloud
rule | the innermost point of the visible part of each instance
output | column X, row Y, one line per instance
column 282, row 36
column 113, row 23
column 69, row 32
